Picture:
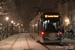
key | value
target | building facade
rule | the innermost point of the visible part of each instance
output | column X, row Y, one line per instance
column 66, row 8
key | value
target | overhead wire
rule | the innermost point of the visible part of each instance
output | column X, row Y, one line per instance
column 39, row 3
column 38, row 6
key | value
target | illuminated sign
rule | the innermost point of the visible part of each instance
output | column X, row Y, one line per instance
column 46, row 16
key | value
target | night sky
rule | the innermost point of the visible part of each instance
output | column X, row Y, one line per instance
column 26, row 8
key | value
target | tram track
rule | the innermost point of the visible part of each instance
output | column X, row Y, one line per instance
column 27, row 43
column 45, row 46
column 41, row 44
column 13, row 43
column 49, row 45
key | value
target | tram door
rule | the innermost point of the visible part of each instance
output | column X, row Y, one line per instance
column 39, row 27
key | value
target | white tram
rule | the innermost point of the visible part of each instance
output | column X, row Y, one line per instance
column 46, row 28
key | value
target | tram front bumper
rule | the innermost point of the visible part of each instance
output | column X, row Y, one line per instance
column 50, row 40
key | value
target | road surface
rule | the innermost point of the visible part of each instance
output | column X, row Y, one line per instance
column 24, row 41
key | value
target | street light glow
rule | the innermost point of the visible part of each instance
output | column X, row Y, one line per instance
column 66, row 20
column 11, row 21
column 17, row 23
column 7, row 18
column 21, row 24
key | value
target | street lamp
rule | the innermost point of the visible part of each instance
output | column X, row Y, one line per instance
column 7, row 25
column 12, row 22
column 12, row 27
column 67, row 22
column 17, row 23
column 7, row 18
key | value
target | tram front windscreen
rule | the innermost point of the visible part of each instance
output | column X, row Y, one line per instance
column 51, row 25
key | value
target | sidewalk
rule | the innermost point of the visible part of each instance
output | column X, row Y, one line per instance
column 71, row 42
column 20, row 42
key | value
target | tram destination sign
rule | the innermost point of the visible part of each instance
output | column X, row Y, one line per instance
column 51, row 16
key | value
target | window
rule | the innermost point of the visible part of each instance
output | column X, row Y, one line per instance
column 45, row 24
column 35, row 27
column 51, row 25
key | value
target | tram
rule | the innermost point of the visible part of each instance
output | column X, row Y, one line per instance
column 46, row 28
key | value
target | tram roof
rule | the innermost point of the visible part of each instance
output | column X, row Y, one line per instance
column 37, row 17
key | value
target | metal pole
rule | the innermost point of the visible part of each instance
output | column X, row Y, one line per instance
column 12, row 28
column 7, row 28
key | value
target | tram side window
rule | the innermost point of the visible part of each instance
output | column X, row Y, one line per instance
column 32, row 28
column 35, row 28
